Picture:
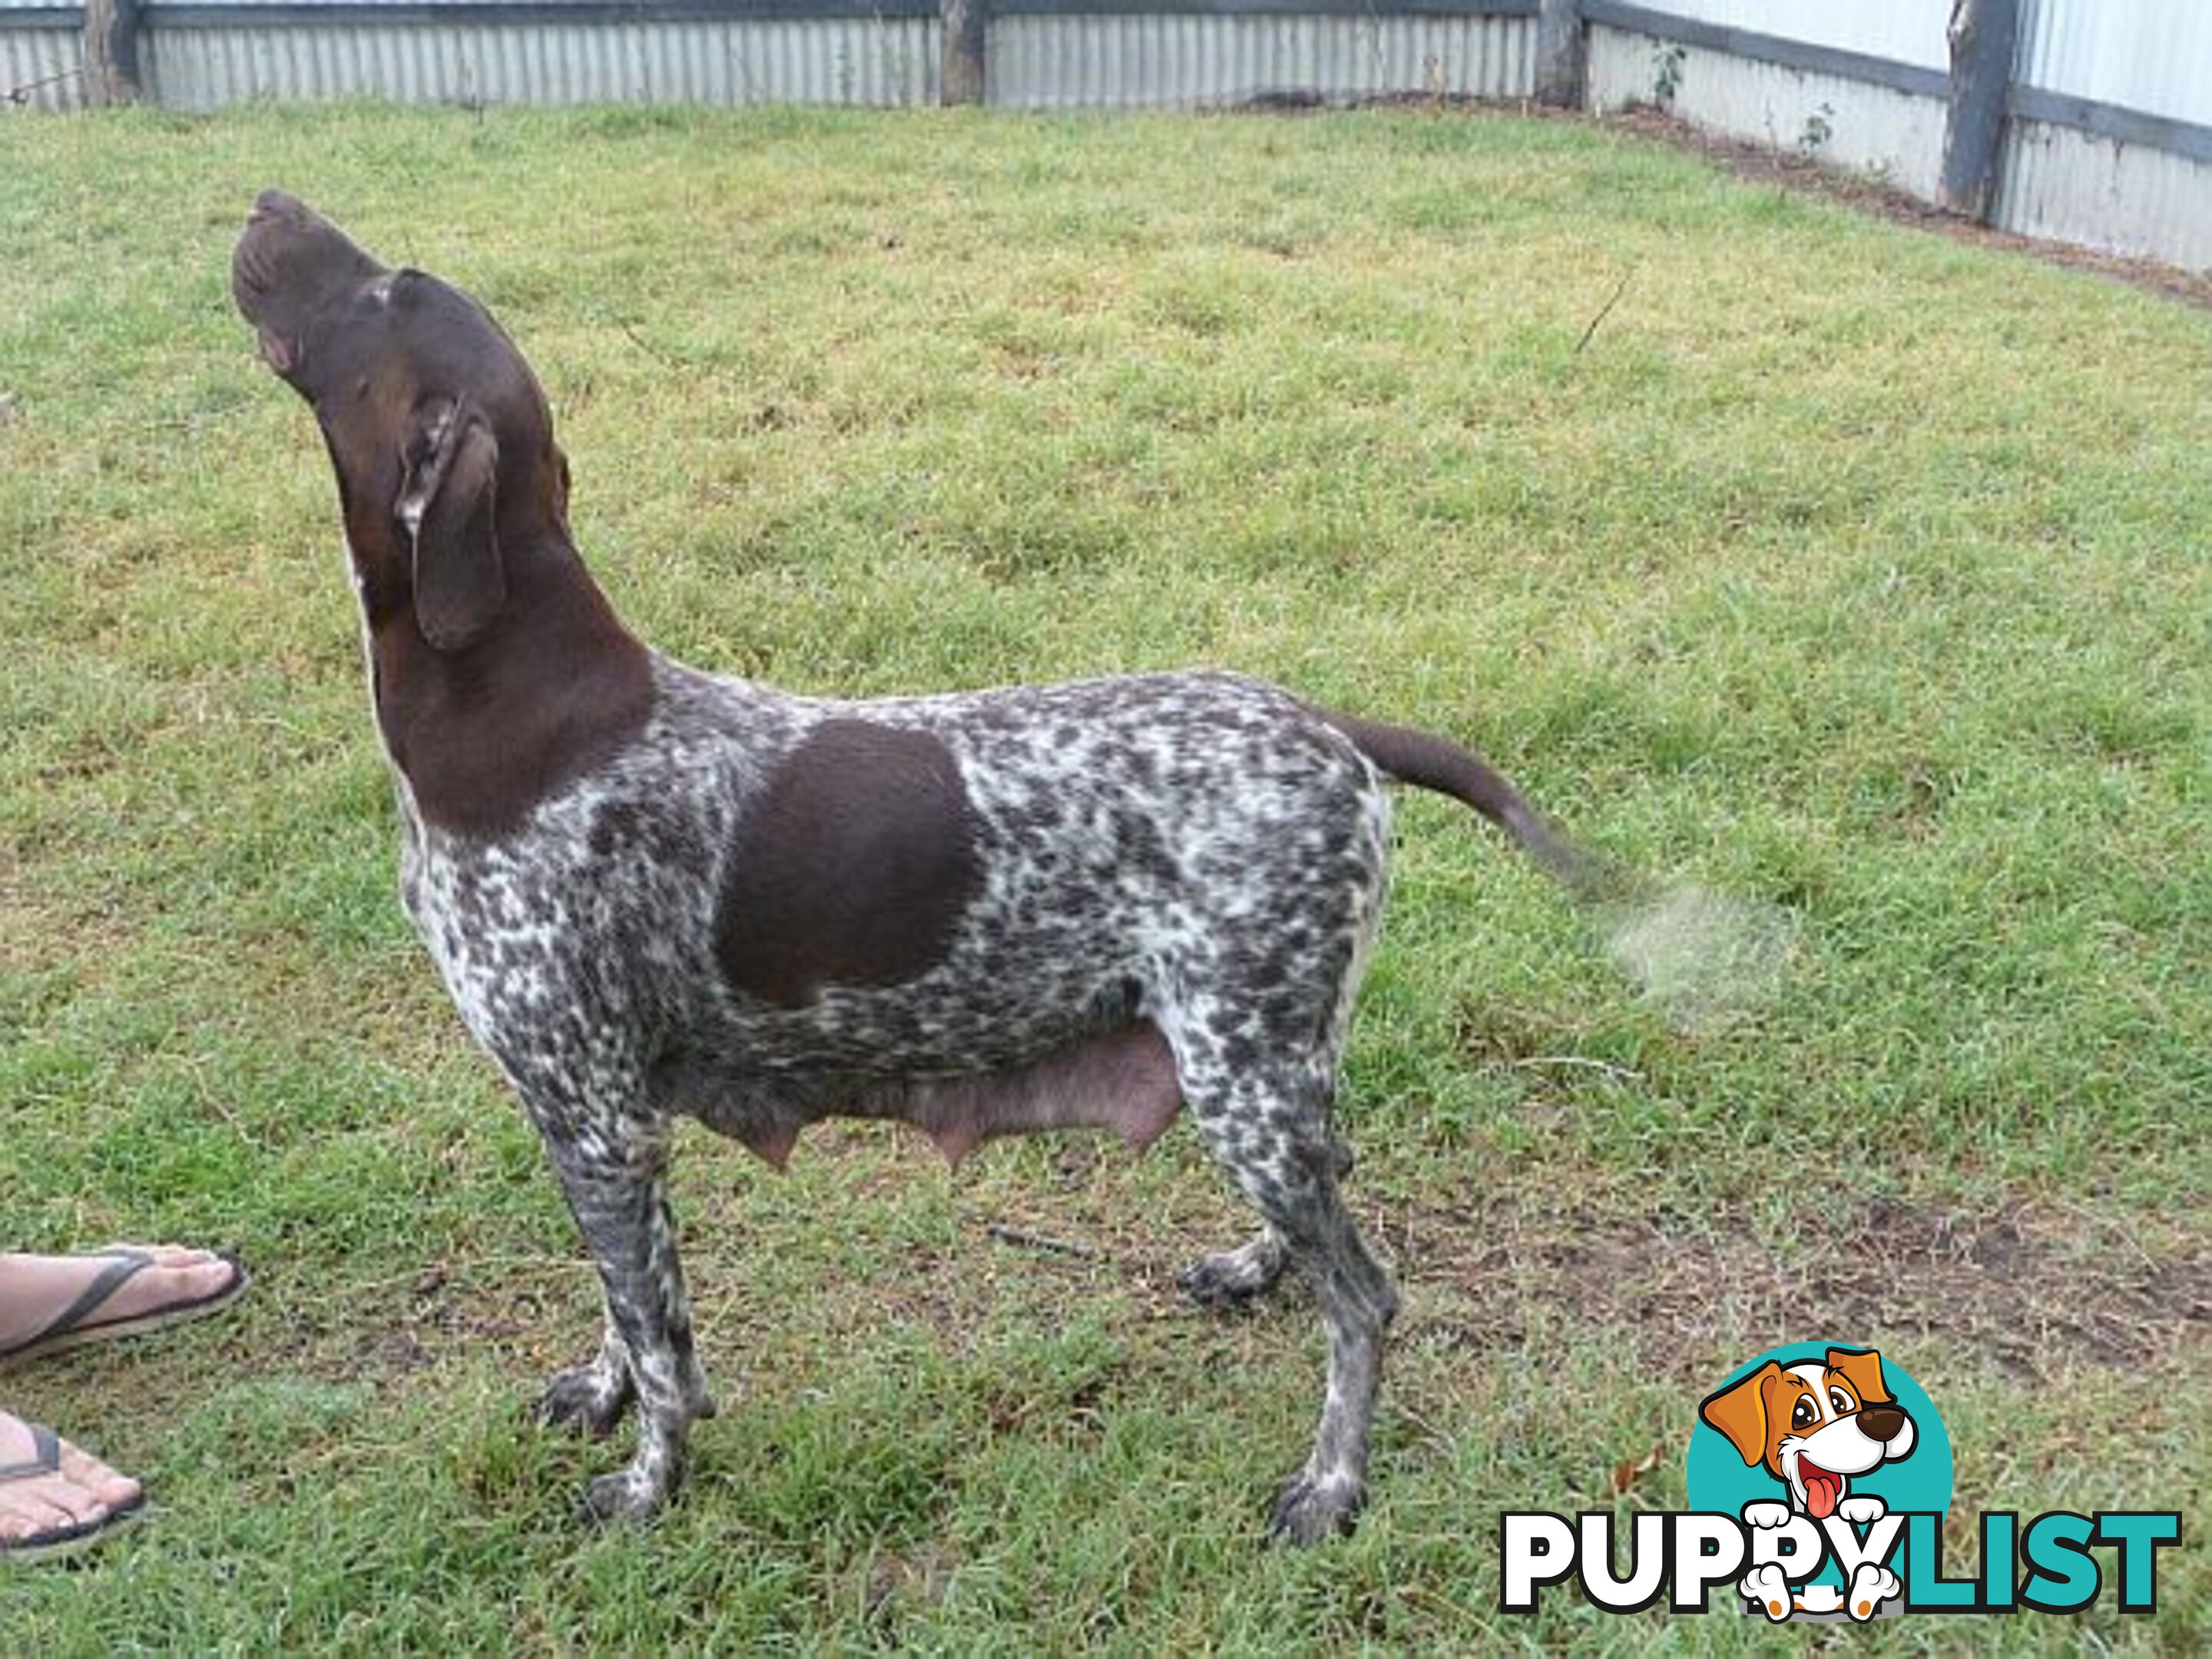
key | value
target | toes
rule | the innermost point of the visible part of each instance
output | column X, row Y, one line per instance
column 181, row 1266
column 77, row 1504
column 614, row 1498
column 81, row 1492
column 205, row 1275
column 75, row 1470
column 1311, row 1511
column 1204, row 1286
column 175, row 1256
column 178, row 1274
column 561, row 1412
column 27, row 1510
column 582, row 1401
column 1219, row 1282
column 101, row 1485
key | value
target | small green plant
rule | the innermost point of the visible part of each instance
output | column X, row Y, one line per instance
column 1666, row 75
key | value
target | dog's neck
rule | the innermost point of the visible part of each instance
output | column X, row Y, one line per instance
column 552, row 688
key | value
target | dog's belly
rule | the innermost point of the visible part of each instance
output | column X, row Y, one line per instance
column 1123, row 1080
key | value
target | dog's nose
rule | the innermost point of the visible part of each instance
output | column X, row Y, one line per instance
column 1883, row 1423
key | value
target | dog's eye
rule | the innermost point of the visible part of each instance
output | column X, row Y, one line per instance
column 1839, row 1399
column 1802, row 1413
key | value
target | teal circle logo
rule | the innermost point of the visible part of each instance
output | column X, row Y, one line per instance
column 1813, row 1427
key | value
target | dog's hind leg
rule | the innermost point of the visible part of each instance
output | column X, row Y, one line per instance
column 613, row 1174
column 1232, row 1279
column 1269, row 1128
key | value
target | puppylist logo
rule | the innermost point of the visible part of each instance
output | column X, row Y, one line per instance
column 1819, row 1477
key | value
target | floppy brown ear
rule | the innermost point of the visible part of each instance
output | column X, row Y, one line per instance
column 1739, row 1411
column 446, row 502
column 1862, row 1370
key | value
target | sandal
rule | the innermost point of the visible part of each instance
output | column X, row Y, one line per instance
column 74, row 1326
column 46, row 1459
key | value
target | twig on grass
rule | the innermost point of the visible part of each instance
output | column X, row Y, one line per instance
column 1605, row 310
column 1007, row 1235
column 663, row 358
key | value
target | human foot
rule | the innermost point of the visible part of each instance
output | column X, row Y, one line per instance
column 54, row 1495
column 49, row 1303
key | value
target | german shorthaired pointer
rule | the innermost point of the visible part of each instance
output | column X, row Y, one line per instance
column 655, row 891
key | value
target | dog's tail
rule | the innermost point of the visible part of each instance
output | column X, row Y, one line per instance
column 1429, row 761
column 1704, row 956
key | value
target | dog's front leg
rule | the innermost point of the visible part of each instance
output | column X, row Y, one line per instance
column 615, row 1177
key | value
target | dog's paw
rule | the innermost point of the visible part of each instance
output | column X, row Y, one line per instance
column 1765, row 1515
column 1311, row 1511
column 623, row 1496
column 1862, row 1511
column 1232, row 1279
column 1766, row 1586
column 1871, row 1586
column 586, row 1400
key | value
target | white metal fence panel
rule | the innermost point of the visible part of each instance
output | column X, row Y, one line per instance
column 2149, row 55
column 1895, row 135
column 2075, row 186
column 1190, row 61
column 39, row 68
column 867, row 60
column 1908, row 31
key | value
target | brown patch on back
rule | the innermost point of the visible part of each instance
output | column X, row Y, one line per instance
column 853, row 868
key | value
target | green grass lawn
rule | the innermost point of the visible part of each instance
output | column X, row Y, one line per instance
column 1843, row 567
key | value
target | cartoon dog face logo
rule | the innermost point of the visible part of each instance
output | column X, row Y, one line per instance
column 1814, row 1425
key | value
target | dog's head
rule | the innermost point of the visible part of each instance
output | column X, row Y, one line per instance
column 1813, row 1425
column 439, row 434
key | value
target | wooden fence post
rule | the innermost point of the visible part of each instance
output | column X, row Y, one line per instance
column 1562, row 54
column 1984, row 33
column 111, row 52
column 967, row 28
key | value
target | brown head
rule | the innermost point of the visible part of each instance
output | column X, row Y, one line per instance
column 500, row 668
column 439, row 436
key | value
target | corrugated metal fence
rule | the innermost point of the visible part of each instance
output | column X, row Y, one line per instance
column 203, row 56
column 1132, row 58
column 2139, row 178
column 1043, row 54
column 2107, row 139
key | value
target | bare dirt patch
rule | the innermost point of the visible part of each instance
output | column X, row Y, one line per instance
column 2026, row 1288
column 2031, row 1288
